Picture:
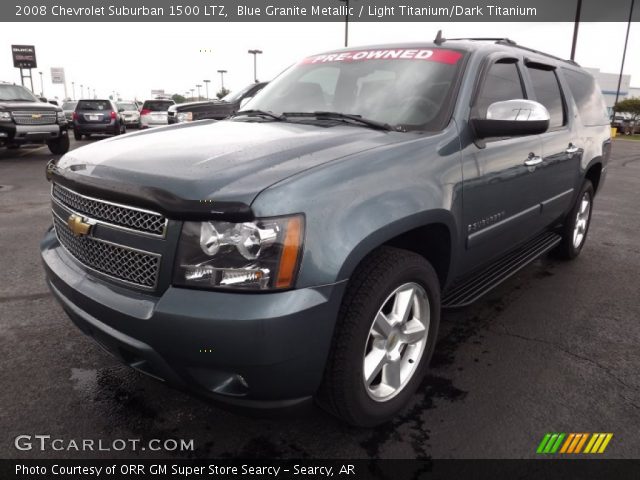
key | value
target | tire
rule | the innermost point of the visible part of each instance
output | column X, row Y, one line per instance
column 60, row 145
column 77, row 135
column 372, row 289
column 572, row 243
column 13, row 146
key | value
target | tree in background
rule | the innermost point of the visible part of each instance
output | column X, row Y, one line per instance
column 223, row 92
column 630, row 106
column 178, row 98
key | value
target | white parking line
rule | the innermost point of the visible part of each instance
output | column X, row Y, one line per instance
column 30, row 150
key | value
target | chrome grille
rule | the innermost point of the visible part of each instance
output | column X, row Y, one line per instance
column 121, row 263
column 120, row 215
column 34, row 118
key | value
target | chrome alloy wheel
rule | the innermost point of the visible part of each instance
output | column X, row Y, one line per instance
column 396, row 342
column 582, row 220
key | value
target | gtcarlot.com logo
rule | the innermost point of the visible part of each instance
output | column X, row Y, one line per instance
column 573, row 443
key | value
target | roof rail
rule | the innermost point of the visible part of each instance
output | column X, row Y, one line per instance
column 500, row 41
column 504, row 40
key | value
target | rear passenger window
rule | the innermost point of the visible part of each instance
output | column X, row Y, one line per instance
column 586, row 93
column 501, row 83
column 547, row 91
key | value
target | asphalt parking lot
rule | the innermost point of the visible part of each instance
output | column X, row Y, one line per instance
column 554, row 349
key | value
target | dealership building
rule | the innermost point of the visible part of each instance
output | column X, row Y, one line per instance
column 609, row 84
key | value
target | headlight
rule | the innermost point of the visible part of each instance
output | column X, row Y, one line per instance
column 5, row 117
column 185, row 116
column 260, row 255
column 61, row 117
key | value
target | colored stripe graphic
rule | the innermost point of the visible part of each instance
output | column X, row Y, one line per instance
column 573, row 443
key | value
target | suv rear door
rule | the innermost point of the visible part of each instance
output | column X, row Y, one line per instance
column 561, row 150
column 93, row 112
column 155, row 111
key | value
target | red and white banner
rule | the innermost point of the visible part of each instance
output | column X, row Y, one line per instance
column 450, row 57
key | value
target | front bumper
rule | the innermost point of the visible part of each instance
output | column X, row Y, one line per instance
column 19, row 134
column 258, row 350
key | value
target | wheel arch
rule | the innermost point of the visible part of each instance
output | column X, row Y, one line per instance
column 431, row 234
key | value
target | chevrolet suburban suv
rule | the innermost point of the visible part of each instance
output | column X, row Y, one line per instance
column 26, row 119
column 304, row 248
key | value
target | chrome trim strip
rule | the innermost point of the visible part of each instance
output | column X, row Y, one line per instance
column 120, row 205
column 98, row 272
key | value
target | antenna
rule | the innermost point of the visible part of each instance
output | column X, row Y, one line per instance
column 439, row 38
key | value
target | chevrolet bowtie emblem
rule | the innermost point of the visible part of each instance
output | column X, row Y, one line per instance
column 78, row 226
column 36, row 115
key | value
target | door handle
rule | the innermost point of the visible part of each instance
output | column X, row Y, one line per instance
column 572, row 148
column 533, row 160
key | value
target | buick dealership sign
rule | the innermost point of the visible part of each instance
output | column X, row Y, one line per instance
column 24, row 56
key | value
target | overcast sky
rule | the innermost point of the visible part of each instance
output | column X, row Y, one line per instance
column 134, row 58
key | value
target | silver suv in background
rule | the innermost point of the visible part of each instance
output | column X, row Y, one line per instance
column 154, row 113
column 130, row 113
column 68, row 108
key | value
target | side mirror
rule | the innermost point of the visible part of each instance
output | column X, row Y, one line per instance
column 120, row 110
column 512, row 118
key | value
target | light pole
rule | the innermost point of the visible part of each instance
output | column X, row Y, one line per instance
column 206, row 86
column 81, row 90
column 94, row 93
column 73, row 88
column 222, row 72
column 255, row 54
column 191, row 94
column 624, row 54
column 346, row 24
column 41, row 85
column 198, row 87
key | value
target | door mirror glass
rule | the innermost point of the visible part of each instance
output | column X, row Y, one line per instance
column 511, row 118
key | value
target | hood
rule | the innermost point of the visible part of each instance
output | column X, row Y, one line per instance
column 29, row 106
column 230, row 161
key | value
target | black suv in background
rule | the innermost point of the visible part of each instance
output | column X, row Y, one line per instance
column 26, row 119
column 97, row 117
column 214, row 109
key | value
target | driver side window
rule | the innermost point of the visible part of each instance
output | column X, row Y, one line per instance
column 502, row 82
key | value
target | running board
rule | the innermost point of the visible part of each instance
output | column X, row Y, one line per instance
column 474, row 287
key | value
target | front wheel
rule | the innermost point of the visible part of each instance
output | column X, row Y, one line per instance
column 59, row 146
column 384, row 338
column 576, row 225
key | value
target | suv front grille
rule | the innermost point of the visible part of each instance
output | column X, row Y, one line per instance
column 34, row 118
column 116, row 261
column 119, row 215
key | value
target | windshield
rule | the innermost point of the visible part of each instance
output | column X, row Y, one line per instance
column 235, row 96
column 69, row 105
column 16, row 93
column 406, row 88
column 127, row 106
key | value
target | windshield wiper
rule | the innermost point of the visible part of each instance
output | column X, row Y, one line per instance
column 341, row 116
column 17, row 100
column 258, row 113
